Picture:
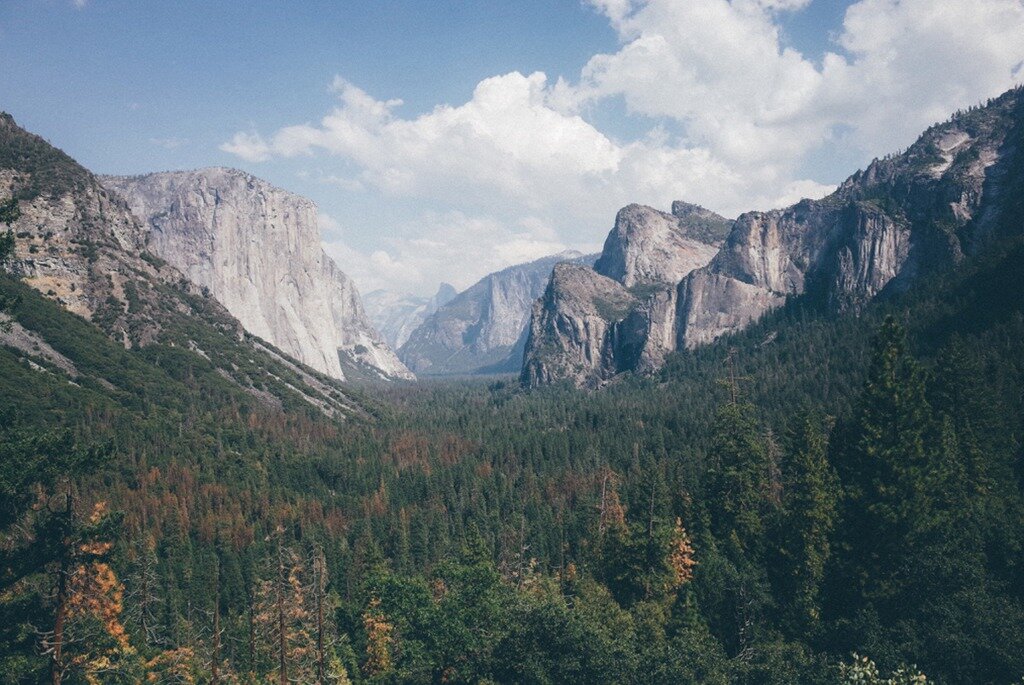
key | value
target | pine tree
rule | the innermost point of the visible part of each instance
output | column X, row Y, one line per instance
column 6, row 250
column 743, row 501
column 680, row 556
column 741, row 492
column 810, row 502
column 887, row 499
column 142, row 593
column 379, row 640
column 282, row 618
column 88, row 638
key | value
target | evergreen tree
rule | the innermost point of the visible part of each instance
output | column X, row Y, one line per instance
column 810, row 507
column 887, row 500
column 6, row 251
column 142, row 596
column 741, row 493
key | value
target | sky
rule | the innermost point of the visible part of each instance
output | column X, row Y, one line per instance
column 447, row 139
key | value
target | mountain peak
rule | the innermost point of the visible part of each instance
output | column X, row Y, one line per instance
column 647, row 246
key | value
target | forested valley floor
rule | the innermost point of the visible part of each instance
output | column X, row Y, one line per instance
column 759, row 512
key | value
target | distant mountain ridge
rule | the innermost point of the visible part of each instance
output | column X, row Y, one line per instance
column 397, row 316
column 902, row 218
column 256, row 248
column 482, row 329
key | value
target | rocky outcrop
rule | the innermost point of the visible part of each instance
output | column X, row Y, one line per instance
column 397, row 316
column 645, row 256
column 256, row 249
column 899, row 220
column 75, row 242
column 78, row 244
column 902, row 218
column 648, row 247
column 483, row 329
column 574, row 326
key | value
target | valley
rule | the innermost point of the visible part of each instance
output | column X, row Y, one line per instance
column 770, row 449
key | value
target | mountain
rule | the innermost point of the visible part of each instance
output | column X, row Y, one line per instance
column 482, row 329
column 256, row 249
column 575, row 332
column 571, row 324
column 113, row 315
column 755, row 512
column 397, row 316
column 903, row 219
column 647, row 246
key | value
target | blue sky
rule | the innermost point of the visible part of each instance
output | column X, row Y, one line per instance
column 521, row 127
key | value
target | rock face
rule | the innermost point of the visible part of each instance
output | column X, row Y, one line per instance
column 647, row 246
column 483, row 329
column 902, row 219
column 256, row 249
column 397, row 316
column 850, row 249
column 573, row 327
column 645, row 256
column 76, row 243
column 79, row 244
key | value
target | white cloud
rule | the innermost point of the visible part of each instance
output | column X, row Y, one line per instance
column 248, row 146
column 466, row 247
column 795, row 191
column 720, row 68
column 79, row 4
column 505, row 138
column 912, row 62
column 507, row 151
column 733, row 115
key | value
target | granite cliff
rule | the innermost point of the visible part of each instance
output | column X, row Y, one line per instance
column 256, row 249
column 903, row 218
column 78, row 244
column 621, row 315
column 649, row 247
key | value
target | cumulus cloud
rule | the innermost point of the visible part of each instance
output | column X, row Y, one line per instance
column 507, row 151
column 909, row 63
column 717, row 67
column 505, row 138
column 721, row 69
column 732, row 112
column 468, row 247
column 248, row 146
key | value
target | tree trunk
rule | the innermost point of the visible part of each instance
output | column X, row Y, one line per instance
column 60, row 612
column 282, row 641
column 215, row 663
column 319, row 588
